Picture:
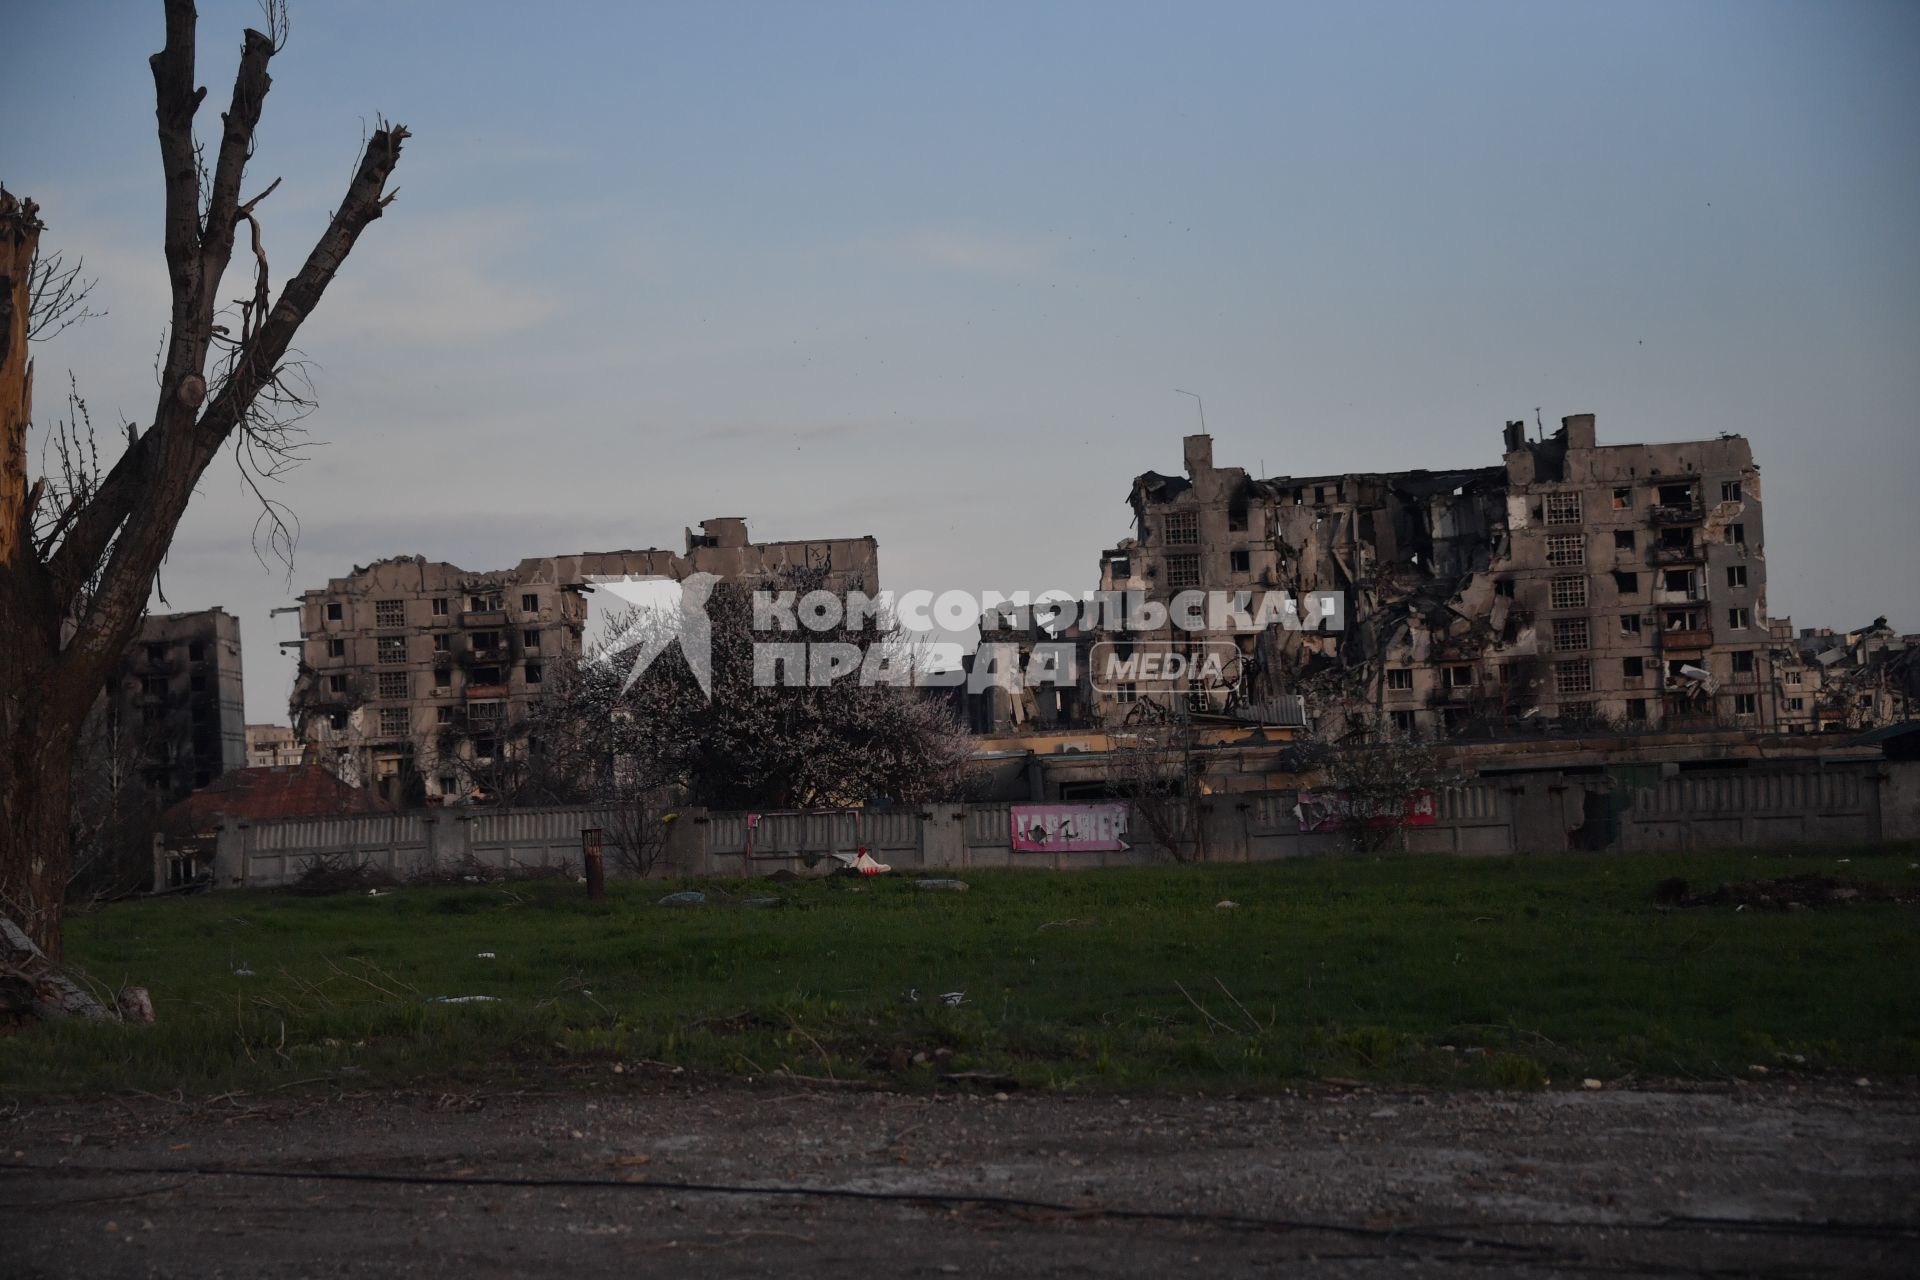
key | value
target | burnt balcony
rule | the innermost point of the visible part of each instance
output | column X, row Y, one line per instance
column 1686, row 639
column 1676, row 513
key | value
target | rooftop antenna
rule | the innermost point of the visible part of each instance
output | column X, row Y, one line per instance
column 1198, row 403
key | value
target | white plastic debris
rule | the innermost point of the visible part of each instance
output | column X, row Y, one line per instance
column 463, row 999
column 484, row 955
column 953, row 997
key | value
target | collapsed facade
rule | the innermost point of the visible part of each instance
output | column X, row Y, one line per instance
column 1576, row 585
column 416, row 676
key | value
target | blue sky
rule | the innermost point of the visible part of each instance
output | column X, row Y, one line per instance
column 933, row 272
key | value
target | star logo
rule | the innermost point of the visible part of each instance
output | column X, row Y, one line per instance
column 665, row 612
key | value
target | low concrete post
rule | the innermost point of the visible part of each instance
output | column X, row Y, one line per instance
column 594, row 863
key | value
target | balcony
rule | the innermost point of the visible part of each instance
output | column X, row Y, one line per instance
column 1686, row 639
column 1676, row 513
column 1692, row 553
column 484, row 618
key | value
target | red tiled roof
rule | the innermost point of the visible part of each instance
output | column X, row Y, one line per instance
column 275, row 791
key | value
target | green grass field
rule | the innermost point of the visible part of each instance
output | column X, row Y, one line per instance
column 1500, row 971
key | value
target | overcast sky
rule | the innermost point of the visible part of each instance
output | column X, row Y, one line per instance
column 933, row 273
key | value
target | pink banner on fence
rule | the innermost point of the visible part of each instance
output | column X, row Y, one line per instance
column 1076, row 828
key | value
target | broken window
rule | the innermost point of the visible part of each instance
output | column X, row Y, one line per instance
column 1237, row 518
column 393, row 684
column 1681, row 620
column 1791, row 677
column 484, row 676
column 1125, row 693
column 1569, row 633
column 1623, row 539
column 530, row 603
column 1240, row 561
column 1503, row 587
column 1746, row 704
column 1629, row 624
column 442, row 642
column 1796, row 704
column 533, row 673
column 336, row 648
column 530, row 639
column 1729, row 491
column 337, row 720
column 333, row 611
column 1399, row 678
column 1679, row 580
column 197, row 682
column 1576, row 712
column 1633, row 668
column 154, row 686
column 443, row 715
column 486, row 641
column 1743, row 662
column 1736, row 575
column 1568, row 592
column 1738, row 619
column 1623, row 499
column 336, row 684
column 1636, row 708
column 440, row 607
column 389, row 613
column 393, row 722
column 1183, row 571
column 484, row 712
column 1676, row 495
column 1181, row 527
column 448, row 784
column 1320, row 495
column 1565, row 550
column 1121, row 566
column 484, row 601
column 1403, row 723
column 391, row 649
column 442, row 677
column 1737, row 534
column 1572, row 677
column 1625, row 583
column 483, row 746
column 196, row 652
column 1459, row 677
column 1563, row 508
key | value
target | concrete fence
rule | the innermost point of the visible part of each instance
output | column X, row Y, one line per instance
column 1628, row 809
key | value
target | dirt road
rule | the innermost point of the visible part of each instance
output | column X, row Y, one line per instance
column 1767, row 1180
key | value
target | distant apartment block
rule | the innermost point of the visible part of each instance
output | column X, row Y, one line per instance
column 272, row 746
column 178, row 700
column 416, row 676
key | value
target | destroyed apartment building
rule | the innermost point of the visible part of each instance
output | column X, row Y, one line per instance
column 175, row 713
column 1576, row 585
column 416, row 676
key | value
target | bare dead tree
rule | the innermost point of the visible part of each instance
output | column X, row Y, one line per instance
column 1379, row 776
column 72, row 589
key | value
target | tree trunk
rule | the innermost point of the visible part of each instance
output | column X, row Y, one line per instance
column 35, row 764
